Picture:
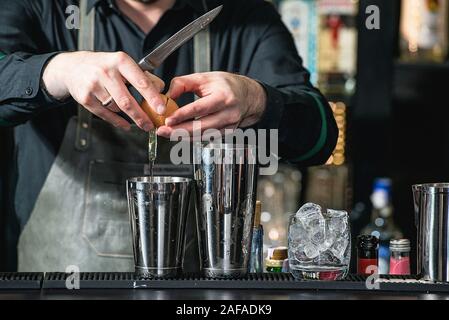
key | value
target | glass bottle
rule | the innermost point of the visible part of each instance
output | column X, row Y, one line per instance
column 382, row 223
column 301, row 19
column 337, row 47
column 424, row 30
column 400, row 257
column 367, row 254
column 275, row 261
column 256, row 260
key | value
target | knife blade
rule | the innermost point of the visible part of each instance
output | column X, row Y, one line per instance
column 158, row 56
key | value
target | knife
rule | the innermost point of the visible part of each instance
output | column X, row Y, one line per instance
column 158, row 55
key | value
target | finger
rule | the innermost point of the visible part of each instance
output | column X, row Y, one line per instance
column 184, row 84
column 97, row 109
column 103, row 95
column 200, row 108
column 144, row 84
column 157, row 82
column 125, row 101
column 224, row 119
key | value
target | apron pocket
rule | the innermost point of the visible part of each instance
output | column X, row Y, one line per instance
column 106, row 225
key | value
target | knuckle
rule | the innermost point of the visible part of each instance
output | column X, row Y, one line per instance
column 144, row 83
column 124, row 103
column 175, row 81
column 91, row 85
column 230, row 99
column 120, row 57
column 197, row 109
column 101, row 71
column 140, row 122
column 85, row 98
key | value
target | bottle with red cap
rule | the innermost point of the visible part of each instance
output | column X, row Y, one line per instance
column 367, row 254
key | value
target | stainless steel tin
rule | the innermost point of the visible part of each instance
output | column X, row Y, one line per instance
column 226, row 194
column 431, row 203
column 157, row 209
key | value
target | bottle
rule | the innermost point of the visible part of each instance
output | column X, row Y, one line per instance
column 424, row 30
column 367, row 254
column 256, row 260
column 400, row 257
column 337, row 47
column 301, row 19
column 275, row 261
column 382, row 224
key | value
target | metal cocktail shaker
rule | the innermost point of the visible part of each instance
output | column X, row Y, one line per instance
column 226, row 194
column 158, row 209
column 432, row 220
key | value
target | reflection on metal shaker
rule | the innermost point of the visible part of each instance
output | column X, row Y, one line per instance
column 226, row 194
column 158, row 208
column 432, row 220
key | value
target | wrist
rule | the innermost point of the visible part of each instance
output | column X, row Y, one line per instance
column 52, row 81
column 257, row 99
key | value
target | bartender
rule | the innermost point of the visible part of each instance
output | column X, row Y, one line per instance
column 69, row 171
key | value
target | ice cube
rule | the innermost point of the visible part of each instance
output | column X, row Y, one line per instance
column 309, row 209
column 311, row 251
column 329, row 239
column 326, row 258
column 317, row 231
column 337, row 221
column 339, row 248
column 297, row 231
column 310, row 216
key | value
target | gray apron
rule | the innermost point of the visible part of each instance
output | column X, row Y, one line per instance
column 80, row 217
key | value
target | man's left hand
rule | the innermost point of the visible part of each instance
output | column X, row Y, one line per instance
column 227, row 101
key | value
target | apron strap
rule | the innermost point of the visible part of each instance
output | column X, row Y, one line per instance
column 86, row 42
column 202, row 53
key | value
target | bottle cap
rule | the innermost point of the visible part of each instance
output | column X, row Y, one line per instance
column 279, row 253
column 383, row 184
column 367, row 242
column 257, row 213
column 400, row 245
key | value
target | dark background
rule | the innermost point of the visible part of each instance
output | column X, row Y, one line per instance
column 399, row 119
column 397, row 125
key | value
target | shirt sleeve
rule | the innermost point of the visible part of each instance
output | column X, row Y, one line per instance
column 22, row 60
column 307, row 129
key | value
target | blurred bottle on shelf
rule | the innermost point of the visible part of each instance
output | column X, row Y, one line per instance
column 382, row 223
column 337, row 47
column 276, row 259
column 256, row 257
column 301, row 19
column 424, row 30
column 329, row 186
column 280, row 195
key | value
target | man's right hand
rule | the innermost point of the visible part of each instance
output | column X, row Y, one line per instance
column 92, row 77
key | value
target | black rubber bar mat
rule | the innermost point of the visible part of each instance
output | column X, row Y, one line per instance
column 266, row 281
column 11, row 280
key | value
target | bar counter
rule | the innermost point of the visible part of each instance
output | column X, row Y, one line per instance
column 126, row 286
column 198, row 294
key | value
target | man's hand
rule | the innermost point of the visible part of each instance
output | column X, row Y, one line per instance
column 227, row 101
column 91, row 78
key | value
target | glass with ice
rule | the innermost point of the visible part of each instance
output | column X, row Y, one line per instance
column 319, row 243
